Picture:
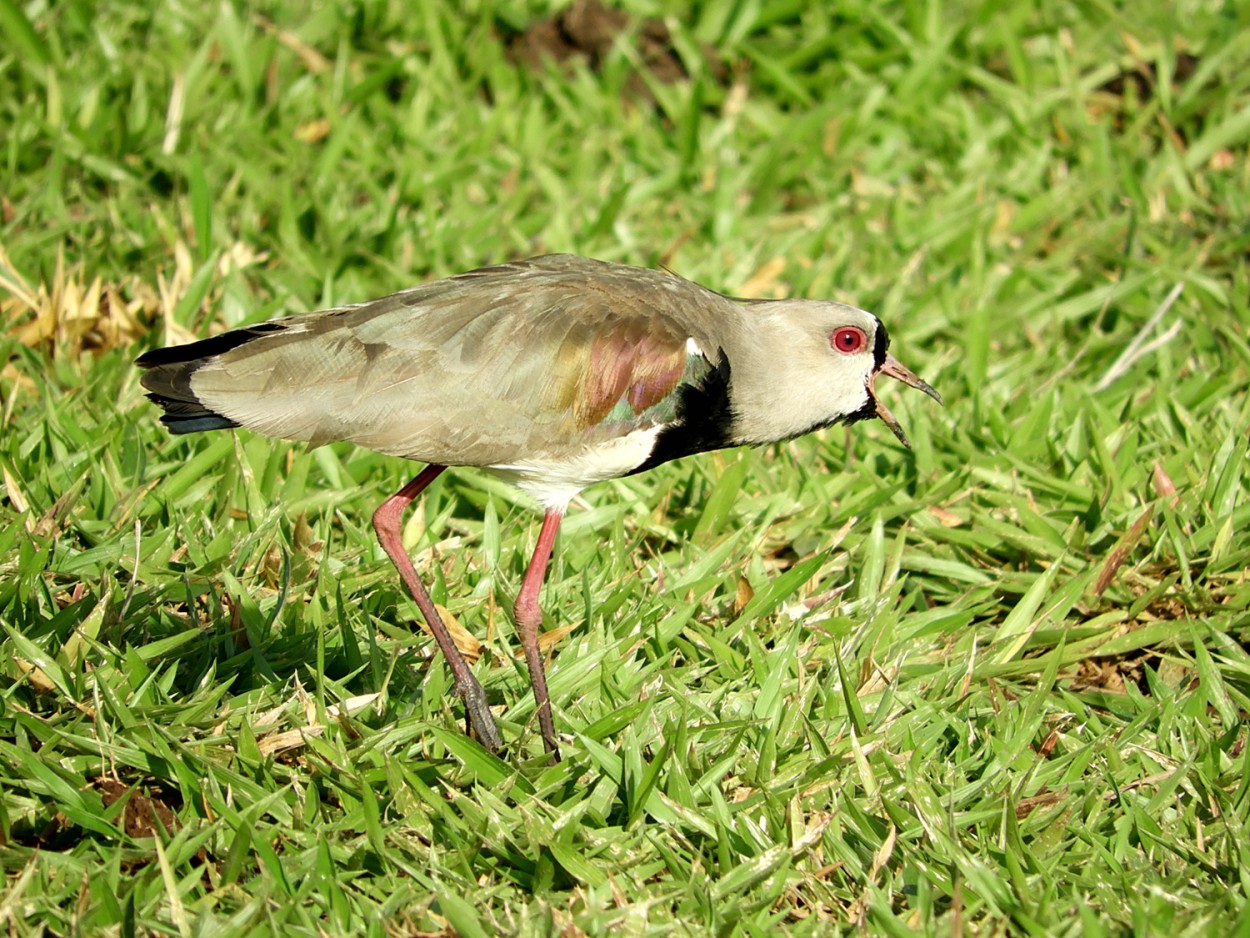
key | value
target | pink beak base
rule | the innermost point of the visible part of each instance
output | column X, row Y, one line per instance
column 895, row 369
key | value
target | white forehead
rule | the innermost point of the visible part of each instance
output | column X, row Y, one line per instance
column 824, row 316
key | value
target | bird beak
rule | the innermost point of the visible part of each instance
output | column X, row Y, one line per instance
column 894, row 368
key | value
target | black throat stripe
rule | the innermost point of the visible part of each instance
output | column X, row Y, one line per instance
column 703, row 421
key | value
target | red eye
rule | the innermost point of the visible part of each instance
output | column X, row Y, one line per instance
column 849, row 339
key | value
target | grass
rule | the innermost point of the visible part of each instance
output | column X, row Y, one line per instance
column 994, row 685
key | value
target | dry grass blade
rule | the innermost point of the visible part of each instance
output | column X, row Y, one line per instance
column 72, row 314
column 1139, row 347
column 466, row 642
column 1121, row 551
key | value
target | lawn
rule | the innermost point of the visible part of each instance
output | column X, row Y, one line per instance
column 996, row 684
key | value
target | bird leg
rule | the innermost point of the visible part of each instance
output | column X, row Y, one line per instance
column 529, row 619
column 387, row 523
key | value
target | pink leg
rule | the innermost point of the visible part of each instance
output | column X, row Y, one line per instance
column 387, row 523
column 529, row 619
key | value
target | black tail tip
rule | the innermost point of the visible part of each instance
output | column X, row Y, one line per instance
column 180, row 425
column 182, row 416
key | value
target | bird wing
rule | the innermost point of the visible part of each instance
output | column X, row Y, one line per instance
column 538, row 358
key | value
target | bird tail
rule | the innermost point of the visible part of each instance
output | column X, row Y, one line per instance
column 167, row 378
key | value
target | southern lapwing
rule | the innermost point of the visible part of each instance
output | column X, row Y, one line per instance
column 551, row 373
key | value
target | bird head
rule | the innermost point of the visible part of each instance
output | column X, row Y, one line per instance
column 806, row 364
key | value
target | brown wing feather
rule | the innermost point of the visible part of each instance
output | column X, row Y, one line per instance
column 631, row 361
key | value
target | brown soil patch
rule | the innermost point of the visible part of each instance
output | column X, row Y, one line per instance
column 144, row 814
column 1142, row 82
column 1108, row 675
column 586, row 32
column 1134, row 87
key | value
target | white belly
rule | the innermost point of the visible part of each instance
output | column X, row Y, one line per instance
column 552, row 482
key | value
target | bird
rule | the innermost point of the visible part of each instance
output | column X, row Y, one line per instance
column 552, row 373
